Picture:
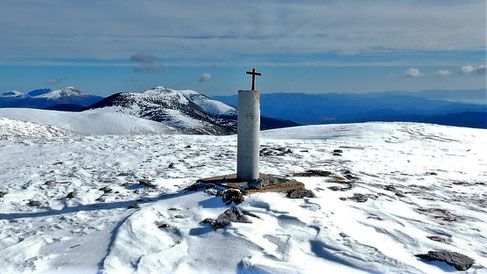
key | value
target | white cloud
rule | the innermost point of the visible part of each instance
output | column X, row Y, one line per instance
column 114, row 29
column 413, row 72
column 146, row 62
column 442, row 72
column 52, row 81
column 205, row 77
column 469, row 69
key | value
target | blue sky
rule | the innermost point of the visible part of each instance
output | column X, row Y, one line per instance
column 102, row 47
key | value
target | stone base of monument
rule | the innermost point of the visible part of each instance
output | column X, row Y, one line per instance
column 265, row 183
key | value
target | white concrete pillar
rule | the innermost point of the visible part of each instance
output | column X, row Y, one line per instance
column 248, row 126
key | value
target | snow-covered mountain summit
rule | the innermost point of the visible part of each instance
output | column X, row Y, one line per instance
column 173, row 108
column 186, row 110
column 62, row 93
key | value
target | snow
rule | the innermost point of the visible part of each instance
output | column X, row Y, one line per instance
column 435, row 167
column 97, row 121
column 11, row 93
column 211, row 106
column 64, row 92
column 14, row 129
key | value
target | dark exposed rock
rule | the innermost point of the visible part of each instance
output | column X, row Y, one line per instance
column 123, row 174
column 199, row 186
column 436, row 239
column 400, row 194
column 134, row 205
column 2, row 194
column 347, row 186
column 457, row 260
column 71, row 194
column 431, row 173
column 232, row 195
column 100, row 199
column 275, row 151
column 359, row 198
column 300, row 193
column 57, row 163
column 188, row 146
column 105, row 189
column 146, row 182
column 165, row 226
column 336, row 154
column 174, row 209
column 233, row 214
column 337, row 151
column 171, row 165
column 34, row 203
column 389, row 188
column 179, row 216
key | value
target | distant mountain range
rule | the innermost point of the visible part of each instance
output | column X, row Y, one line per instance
column 192, row 112
column 69, row 99
column 384, row 106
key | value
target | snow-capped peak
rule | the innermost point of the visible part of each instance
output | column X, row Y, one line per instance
column 64, row 92
column 11, row 93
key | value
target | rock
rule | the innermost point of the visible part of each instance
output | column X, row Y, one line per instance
column 300, row 193
column 275, row 151
column 436, row 239
column 57, row 163
column 209, row 221
column 400, row 194
column 174, row 209
column 336, row 154
column 165, row 226
column 146, row 182
column 105, row 189
column 457, row 260
column 2, row 194
column 359, row 198
column 431, row 173
column 337, row 151
column 230, row 215
column 171, row 165
column 338, row 188
column 389, row 188
column 199, row 186
column 134, row 205
column 179, row 216
column 123, row 174
column 71, row 194
column 34, row 203
column 188, row 146
column 232, row 195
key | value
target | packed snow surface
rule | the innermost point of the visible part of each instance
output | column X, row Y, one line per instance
column 420, row 180
column 15, row 129
column 96, row 121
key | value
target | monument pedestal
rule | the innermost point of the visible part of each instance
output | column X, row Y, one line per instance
column 248, row 128
column 266, row 183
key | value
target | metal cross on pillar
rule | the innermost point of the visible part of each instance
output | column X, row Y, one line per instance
column 253, row 73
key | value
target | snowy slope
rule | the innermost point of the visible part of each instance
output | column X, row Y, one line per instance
column 98, row 122
column 420, row 181
column 15, row 129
